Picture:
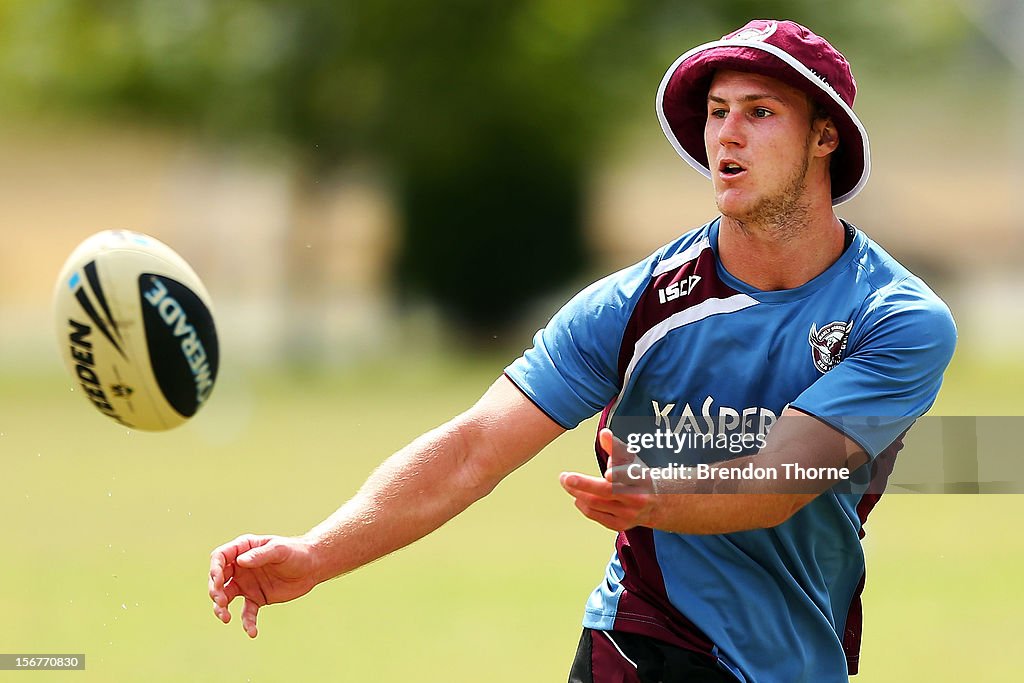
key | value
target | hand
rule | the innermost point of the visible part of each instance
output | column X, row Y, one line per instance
column 262, row 569
column 623, row 505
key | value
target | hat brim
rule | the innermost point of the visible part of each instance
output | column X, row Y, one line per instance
column 682, row 106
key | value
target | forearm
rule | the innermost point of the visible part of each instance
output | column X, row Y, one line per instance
column 433, row 479
column 762, row 490
column 725, row 497
column 411, row 494
column 718, row 506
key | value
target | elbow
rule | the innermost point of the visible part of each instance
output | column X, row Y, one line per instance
column 777, row 516
column 473, row 483
column 782, row 508
column 472, row 478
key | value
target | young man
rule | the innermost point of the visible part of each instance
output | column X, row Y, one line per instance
column 771, row 313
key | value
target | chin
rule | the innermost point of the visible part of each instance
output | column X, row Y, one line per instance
column 734, row 207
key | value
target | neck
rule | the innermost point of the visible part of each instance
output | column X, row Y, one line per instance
column 782, row 252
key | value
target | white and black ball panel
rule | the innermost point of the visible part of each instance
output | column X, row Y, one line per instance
column 180, row 332
column 136, row 330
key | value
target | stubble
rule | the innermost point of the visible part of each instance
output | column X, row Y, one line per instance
column 785, row 215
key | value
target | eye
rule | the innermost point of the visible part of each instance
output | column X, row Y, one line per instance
column 762, row 113
column 718, row 113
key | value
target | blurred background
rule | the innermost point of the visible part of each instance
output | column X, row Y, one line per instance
column 385, row 200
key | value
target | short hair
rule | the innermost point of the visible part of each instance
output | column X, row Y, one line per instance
column 818, row 110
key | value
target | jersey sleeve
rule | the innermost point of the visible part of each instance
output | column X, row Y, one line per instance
column 893, row 372
column 571, row 372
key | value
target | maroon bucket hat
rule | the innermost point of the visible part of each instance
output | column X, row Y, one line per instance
column 783, row 50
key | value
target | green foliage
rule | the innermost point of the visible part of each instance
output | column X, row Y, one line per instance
column 398, row 78
column 487, row 113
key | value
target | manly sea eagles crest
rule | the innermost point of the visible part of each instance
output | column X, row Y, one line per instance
column 828, row 344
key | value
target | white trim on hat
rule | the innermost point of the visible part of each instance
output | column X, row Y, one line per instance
column 796, row 66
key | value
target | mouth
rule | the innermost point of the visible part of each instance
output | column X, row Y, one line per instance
column 730, row 169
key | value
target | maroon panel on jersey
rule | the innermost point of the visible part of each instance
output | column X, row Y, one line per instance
column 608, row 665
column 671, row 292
column 644, row 607
column 881, row 468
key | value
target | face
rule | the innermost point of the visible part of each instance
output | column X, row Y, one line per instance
column 763, row 147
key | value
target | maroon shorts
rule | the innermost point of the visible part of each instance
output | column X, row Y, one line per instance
column 617, row 657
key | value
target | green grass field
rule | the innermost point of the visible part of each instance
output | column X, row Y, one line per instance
column 107, row 535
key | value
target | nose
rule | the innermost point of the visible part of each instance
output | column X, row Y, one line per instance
column 729, row 129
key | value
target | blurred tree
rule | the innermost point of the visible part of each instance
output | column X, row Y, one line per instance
column 486, row 113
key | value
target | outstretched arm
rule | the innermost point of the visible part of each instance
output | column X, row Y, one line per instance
column 412, row 493
column 703, row 506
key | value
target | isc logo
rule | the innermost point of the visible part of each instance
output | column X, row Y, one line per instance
column 678, row 289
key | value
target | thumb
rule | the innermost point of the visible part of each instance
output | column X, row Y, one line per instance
column 610, row 444
column 618, row 453
column 620, row 470
column 265, row 554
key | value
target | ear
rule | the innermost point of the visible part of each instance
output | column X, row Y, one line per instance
column 826, row 137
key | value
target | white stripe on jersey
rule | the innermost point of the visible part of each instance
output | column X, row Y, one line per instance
column 609, row 637
column 690, row 253
column 706, row 308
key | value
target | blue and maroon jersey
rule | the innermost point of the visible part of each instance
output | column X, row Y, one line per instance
column 677, row 337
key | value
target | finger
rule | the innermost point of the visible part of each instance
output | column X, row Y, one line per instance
column 576, row 483
column 231, row 591
column 249, row 612
column 212, row 587
column 223, row 599
column 613, row 504
column 226, row 553
column 222, row 570
column 262, row 555
column 223, row 557
column 220, row 577
column 222, row 613
column 217, row 564
column 579, row 484
column 606, row 519
column 633, row 476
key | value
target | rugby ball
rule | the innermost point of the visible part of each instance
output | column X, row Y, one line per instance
column 135, row 330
